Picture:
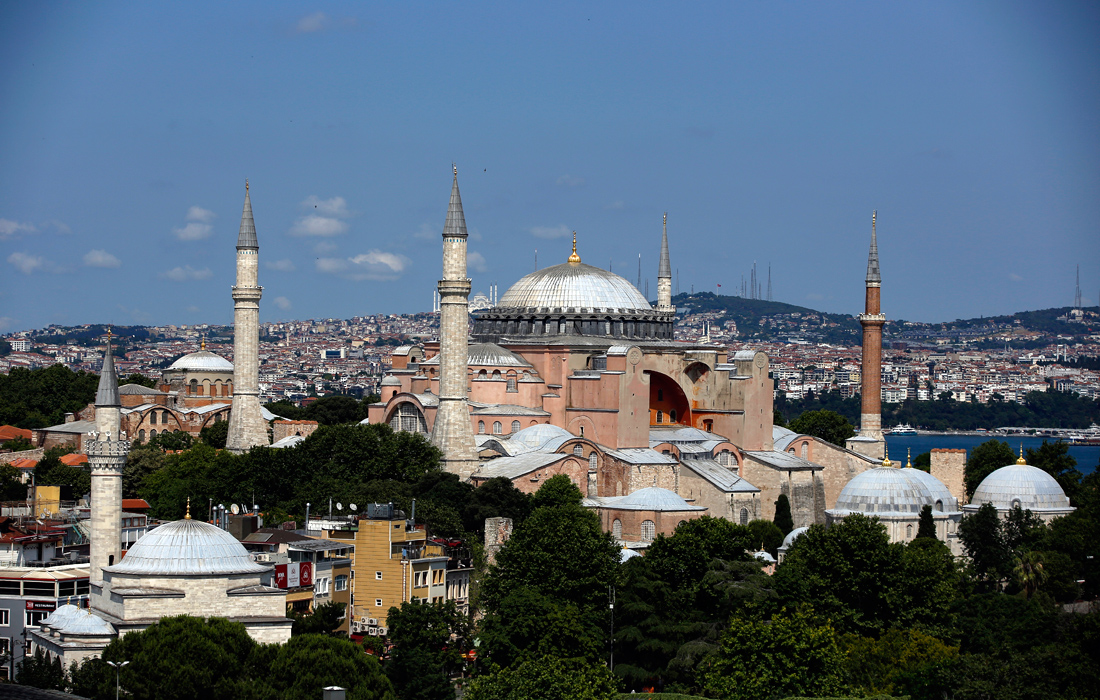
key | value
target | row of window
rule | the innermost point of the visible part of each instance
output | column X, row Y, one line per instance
column 218, row 389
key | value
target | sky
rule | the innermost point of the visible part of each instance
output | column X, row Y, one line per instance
column 768, row 132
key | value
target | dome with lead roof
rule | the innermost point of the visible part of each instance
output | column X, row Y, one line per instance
column 890, row 491
column 573, row 285
column 1023, row 486
column 187, row 548
column 201, row 361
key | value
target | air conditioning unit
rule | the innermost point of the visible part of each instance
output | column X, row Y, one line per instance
column 381, row 631
column 372, row 631
column 372, row 622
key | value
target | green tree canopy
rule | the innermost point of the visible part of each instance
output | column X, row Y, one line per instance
column 559, row 490
column 927, row 526
column 546, row 678
column 424, row 654
column 215, row 434
column 827, row 425
column 783, row 519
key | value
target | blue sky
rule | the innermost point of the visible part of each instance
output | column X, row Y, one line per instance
column 767, row 131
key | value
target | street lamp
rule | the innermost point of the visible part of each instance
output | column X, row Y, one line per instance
column 118, row 668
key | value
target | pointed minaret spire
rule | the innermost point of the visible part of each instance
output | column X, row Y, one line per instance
column 107, row 393
column 456, row 220
column 873, row 276
column 664, row 272
column 246, row 239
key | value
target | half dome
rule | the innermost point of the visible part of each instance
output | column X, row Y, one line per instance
column 187, row 548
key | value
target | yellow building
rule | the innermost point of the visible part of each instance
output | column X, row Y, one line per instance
column 393, row 563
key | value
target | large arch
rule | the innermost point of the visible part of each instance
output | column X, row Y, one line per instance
column 407, row 416
column 668, row 404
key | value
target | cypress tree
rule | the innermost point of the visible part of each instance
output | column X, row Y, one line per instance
column 927, row 528
column 783, row 519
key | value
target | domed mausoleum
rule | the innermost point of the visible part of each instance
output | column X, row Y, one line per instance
column 896, row 497
column 1021, row 486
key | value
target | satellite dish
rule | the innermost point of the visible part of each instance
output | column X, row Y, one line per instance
column 339, row 506
column 234, row 509
column 353, row 507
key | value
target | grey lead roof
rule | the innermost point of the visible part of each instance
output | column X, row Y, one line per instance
column 456, row 221
column 722, row 477
column 872, row 257
column 665, row 268
column 107, row 393
column 247, row 237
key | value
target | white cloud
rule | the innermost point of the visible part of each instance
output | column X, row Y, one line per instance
column 476, row 261
column 100, row 258
column 26, row 263
column 314, row 225
column 197, row 213
column 570, row 181
column 61, row 226
column 325, row 247
column 285, row 265
column 282, row 302
column 9, row 228
column 193, row 231
column 309, row 24
column 550, row 231
column 185, row 273
column 373, row 265
column 329, row 207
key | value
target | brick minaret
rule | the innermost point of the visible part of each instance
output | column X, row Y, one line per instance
column 664, row 273
column 106, row 450
column 246, row 424
column 452, row 432
column 870, row 441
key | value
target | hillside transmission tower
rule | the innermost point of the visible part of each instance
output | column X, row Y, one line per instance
column 1077, row 294
column 769, row 281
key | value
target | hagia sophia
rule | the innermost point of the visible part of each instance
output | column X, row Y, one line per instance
column 572, row 371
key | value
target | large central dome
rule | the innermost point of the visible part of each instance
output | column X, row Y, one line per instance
column 574, row 286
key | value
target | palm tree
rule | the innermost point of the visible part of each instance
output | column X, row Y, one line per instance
column 1030, row 572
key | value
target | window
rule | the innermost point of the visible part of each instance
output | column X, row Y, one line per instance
column 377, row 602
column 805, row 450
column 153, row 433
column 939, row 506
column 5, row 617
column 141, row 435
column 512, row 385
column 320, row 587
column 496, row 374
column 578, row 451
column 744, row 516
column 672, row 416
column 592, row 464
column 908, row 532
column 34, row 617
column 660, row 416
column 498, row 429
column 617, row 529
column 649, row 530
column 377, row 575
column 481, row 427
column 515, row 426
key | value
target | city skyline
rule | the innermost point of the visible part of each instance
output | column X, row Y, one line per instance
column 768, row 134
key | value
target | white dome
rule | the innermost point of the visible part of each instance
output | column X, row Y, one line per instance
column 573, row 285
column 792, row 536
column 1021, row 485
column 187, row 548
column 536, row 436
column 936, row 488
column 85, row 624
column 887, row 490
column 204, row 361
column 62, row 616
column 652, row 498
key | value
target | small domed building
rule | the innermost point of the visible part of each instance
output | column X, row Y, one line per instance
column 896, row 497
column 199, row 377
column 1023, row 486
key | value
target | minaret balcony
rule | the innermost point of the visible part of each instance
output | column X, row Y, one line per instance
column 872, row 318
column 247, row 293
column 107, row 448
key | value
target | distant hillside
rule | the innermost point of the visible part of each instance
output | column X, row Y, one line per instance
column 773, row 320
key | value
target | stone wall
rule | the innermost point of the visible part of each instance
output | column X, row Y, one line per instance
column 497, row 532
column 286, row 428
column 949, row 466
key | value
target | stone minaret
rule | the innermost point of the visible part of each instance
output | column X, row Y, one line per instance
column 246, row 423
column 452, row 432
column 870, row 441
column 664, row 273
column 106, row 450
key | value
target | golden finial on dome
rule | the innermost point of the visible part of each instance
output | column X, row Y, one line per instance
column 188, row 515
column 1021, row 458
column 574, row 258
column 908, row 457
column 202, row 345
column 886, row 460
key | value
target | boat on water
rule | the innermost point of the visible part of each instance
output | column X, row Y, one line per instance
column 902, row 429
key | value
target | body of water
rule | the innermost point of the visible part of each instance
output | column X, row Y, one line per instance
column 1087, row 456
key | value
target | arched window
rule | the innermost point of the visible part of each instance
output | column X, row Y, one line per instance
column 152, row 433
column 805, row 450
column 193, row 387
column 744, row 516
column 908, row 532
column 141, row 435
column 481, row 427
column 497, row 428
column 408, row 418
column 708, row 425
column 939, row 506
column 1015, row 503
column 592, row 463
column 496, row 374
column 482, row 374
column 672, row 416
column 515, row 426
column 582, row 431
column 660, row 416
column 724, row 458
column 617, row 529
column 512, row 385
column 578, row 451
column 649, row 530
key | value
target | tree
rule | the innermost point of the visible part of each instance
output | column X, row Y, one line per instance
column 981, row 536
column 140, row 380
column 923, row 461
column 307, row 663
column 324, row 619
column 787, row 655
column 18, row 444
column 1054, row 459
column 984, row 459
column 827, row 425
column 927, row 527
column 546, row 678
column 142, row 461
column 215, row 434
column 428, row 641
column 530, row 625
column 496, row 498
column 876, row 666
column 1030, row 572
column 783, row 519
column 39, row 672
column 766, row 535
column 12, row 487
column 559, row 490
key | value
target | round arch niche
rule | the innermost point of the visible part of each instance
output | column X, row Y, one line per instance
column 667, row 401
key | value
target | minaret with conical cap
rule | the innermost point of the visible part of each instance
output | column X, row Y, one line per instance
column 664, row 273
column 452, row 432
column 870, row 441
column 106, row 451
column 246, row 423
